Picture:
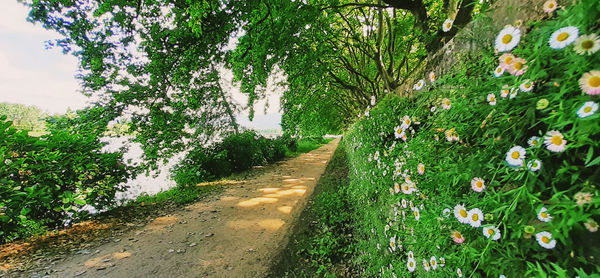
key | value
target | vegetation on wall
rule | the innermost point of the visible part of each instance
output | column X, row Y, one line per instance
column 493, row 168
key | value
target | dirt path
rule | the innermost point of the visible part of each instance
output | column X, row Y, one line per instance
column 236, row 233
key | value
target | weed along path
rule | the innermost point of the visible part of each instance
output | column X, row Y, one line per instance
column 235, row 233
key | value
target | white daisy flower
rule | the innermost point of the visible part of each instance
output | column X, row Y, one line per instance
column 498, row 71
column 407, row 189
column 491, row 232
column 475, row 217
column 534, row 141
column 587, row 44
column 396, row 187
column 426, row 265
column 563, row 37
column 411, row 255
column 491, row 98
column 431, row 77
column 367, row 112
column 477, row 184
column 432, row 109
column 508, row 38
column 587, row 109
column 504, row 92
column 545, row 240
column 526, row 86
column 459, row 272
column 404, row 203
column 398, row 132
column 405, row 122
column 376, row 156
column 411, row 265
column 590, row 82
column 442, row 262
column 550, row 6
column 393, row 243
column 555, row 141
column 461, row 214
column 420, row 85
column 417, row 214
column 502, row 276
column 534, row 165
column 433, row 263
column 543, row 215
column 421, row 168
column 447, row 25
column 446, row 104
column 515, row 156
column 446, row 212
column 373, row 100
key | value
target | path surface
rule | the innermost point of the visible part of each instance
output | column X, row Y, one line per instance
column 236, row 233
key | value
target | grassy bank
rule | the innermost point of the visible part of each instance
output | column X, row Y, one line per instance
column 321, row 239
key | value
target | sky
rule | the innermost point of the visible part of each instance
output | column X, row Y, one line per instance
column 33, row 75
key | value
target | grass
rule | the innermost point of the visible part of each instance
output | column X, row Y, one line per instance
column 320, row 240
column 306, row 145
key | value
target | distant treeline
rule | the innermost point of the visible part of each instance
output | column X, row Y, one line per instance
column 23, row 116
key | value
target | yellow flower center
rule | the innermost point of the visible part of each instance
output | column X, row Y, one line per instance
column 399, row 131
column 543, row 214
column 493, row 99
column 406, row 188
column 479, row 184
column 545, row 239
column 490, row 232
column 557, row 140
column 515, row 155
column 527, row 85
column 587, row 44
column 412, row 264
column 475, row 217
column 508, row 60
column 463, row 213
column 594, row 81
column 507, row 38
column 407, row 121
column 392, row 243
column 448, row 25
column 432, row 263
column 587, row 109
column 550, row 5
column 534, row 165
column 499, row 70
column 518, row 65
column 416, row 213
column 562, row 36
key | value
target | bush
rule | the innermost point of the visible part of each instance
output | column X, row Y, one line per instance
column 46, row 181
column 469, row 138
column 235, row 153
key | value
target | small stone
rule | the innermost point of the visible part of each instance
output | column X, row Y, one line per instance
column 117, row 240
column 97, row 251
column 180, row 251
column 191, row 233
column 193, row 244
column 171, row 250
column 101, row 267
column 250, row 250
column 80, row 273
column 209, row 235
column 106, row 260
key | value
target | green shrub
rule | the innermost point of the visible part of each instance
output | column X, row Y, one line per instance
column 46, row 181
column 386, row 223
column 237, row 152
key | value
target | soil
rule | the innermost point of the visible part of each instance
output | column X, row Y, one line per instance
column 235, row 233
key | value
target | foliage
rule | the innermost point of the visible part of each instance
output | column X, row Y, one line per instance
column 483, row 134
column 157, row 63
column 45, row 182
column 235, row 153
column 24, row 117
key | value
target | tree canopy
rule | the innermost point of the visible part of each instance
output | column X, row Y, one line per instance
column 156, row 62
